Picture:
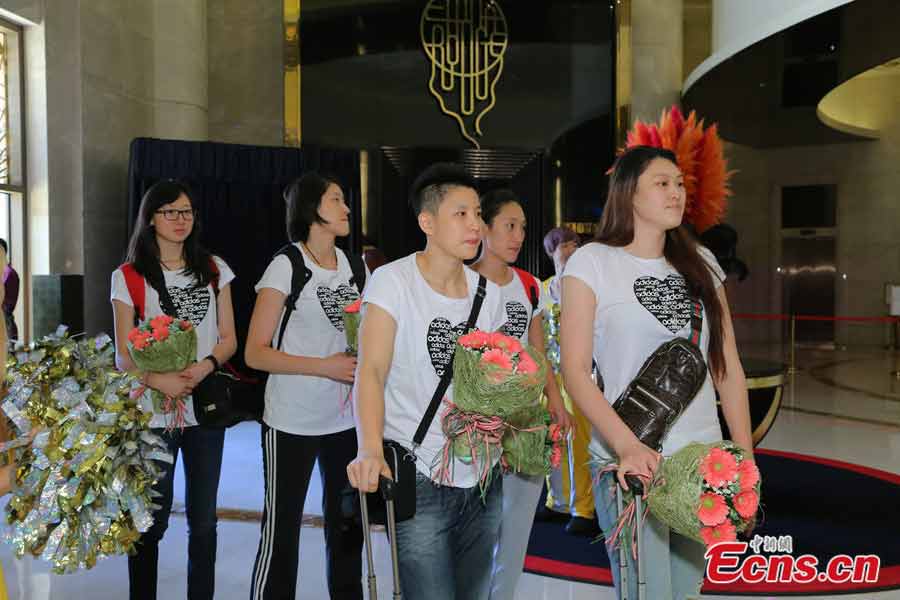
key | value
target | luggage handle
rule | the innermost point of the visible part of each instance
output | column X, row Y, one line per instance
column 624, row 584
column 386, row 486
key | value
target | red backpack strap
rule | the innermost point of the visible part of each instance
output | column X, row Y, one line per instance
column 136, row 284
column 530, row 285
column 215, row 271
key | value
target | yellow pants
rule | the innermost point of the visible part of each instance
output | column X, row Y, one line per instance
column 562, row 495
column 3, row 595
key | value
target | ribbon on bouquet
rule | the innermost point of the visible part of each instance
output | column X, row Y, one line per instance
column 480, row 434
column 170, row 405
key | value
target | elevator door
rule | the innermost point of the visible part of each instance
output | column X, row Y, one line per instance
column 808, row 275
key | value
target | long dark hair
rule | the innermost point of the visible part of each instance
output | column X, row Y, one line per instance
column 680, row 249
column 143, row 249
column 302, row 199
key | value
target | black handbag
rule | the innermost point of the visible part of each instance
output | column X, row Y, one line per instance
column 665, row 386
column 226, row 397
column 401, row 460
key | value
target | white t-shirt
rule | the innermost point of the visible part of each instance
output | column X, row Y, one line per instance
column 428, row 324
column 306, row 404
column 517, row 307
column 194, row 304
column 642, row 303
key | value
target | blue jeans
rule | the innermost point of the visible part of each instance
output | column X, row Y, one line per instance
column 521, row 494
column 202, row 451
column 673, row 564
column 445, row 549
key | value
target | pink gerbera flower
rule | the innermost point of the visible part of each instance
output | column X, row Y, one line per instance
column 746, row 504
column 161, row 321
column 505, row 342
column 713, row 509
column 476, row 339
column 498, row 357
column 718, row 467
column 721, row 533
column 185, row 325
column 748, row 475
column 526, row 364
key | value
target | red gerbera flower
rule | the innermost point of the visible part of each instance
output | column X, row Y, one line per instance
column 505, row 342
column 721, row 533
column 746, row 504
column 526, row 364
column 748, row 475
column 160, row 321
column 713, row 509
column 476, row 339
column 497, row 357
column 718, row 467
column 161, row 333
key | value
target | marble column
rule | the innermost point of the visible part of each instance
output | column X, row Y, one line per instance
column 656, row 57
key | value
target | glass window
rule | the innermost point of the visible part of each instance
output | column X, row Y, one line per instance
column 12, row 167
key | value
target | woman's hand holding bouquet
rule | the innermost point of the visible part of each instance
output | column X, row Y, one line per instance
column 707, row 492
column 496, row 408
column 164, row 347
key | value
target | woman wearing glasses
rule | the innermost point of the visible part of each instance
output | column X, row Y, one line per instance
column 177, row 277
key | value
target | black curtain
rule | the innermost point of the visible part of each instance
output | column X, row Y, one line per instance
column 238, row 191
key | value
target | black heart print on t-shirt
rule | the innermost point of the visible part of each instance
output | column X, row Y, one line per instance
column 666, row 299
column 334, row 301
column 191, row 303
column 516, row 320
column 441, row 342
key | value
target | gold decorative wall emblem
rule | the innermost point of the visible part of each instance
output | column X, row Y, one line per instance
column 465, row 41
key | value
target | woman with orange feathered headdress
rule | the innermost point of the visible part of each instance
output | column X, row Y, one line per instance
column 698, row 151
column 644, row 281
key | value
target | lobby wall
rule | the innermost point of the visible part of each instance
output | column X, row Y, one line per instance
column 97, row 75
column 867, row 176
column 246, row 84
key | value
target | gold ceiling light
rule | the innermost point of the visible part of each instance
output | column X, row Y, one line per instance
column 465, row 41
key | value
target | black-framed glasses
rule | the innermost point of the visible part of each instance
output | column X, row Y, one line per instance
column 172, row 214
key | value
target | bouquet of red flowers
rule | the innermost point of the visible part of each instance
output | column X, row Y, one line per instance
column 707, row 492
column 496, row 408
column 164, row 345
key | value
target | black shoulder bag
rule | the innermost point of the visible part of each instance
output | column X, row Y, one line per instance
column 664, row 387
column 402, row 461
column 226, row 396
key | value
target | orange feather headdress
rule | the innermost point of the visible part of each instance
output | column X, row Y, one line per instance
column 700, row 158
